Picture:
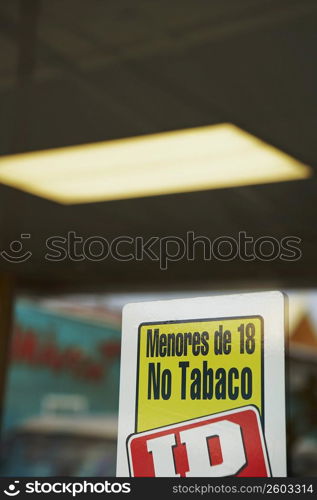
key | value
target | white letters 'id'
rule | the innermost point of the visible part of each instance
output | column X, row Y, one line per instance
column 199, row 460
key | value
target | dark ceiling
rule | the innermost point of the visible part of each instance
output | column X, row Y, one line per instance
column 73, row 71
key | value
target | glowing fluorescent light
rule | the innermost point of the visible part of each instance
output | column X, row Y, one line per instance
column 197, row 159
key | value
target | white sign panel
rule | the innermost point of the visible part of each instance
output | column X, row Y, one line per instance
column 202, row 389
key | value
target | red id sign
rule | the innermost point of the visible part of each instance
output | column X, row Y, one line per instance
column 225, row 444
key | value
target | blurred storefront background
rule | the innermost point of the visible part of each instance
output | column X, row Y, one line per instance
column 63, row 385
column 62, row 392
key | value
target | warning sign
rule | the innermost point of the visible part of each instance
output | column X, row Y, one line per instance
column 191, row 364
column 187, row 367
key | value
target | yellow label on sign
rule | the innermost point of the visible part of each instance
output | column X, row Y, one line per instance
column 189, row 369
